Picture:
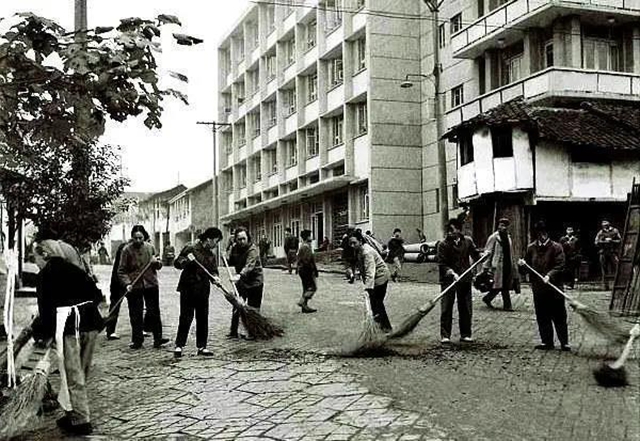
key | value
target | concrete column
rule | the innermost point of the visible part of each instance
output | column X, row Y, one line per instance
column 575, row 43
column 559, row 58
column 635, row 55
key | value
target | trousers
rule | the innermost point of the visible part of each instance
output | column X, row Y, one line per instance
column 137, row 299
column 78, row 354
column 465, row 310
column 193, row 303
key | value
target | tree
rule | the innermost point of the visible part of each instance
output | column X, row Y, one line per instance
column 57, row 90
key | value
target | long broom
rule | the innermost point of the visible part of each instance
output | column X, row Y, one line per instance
column 371, row 338
column 257, row 325
column 598, row 321
column 410, row 323
column 614, row 374
column 26, row 399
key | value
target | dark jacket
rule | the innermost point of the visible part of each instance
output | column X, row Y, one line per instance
column 132, row 262
column 193, row 278
column 306, row 261
column 455, row 257
column 61, row 283
column 570, row 246
column 291, row 243
column 396, row 248
column 246, row 262
column 547, row 259
column 116, row 287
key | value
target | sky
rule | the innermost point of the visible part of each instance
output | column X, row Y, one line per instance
column 182, row 151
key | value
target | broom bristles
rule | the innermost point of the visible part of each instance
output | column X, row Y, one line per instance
column 257, row 325
column 411, row 322
column 602, row 324
column 369, row 342
column 606, row 376
column 23, row 404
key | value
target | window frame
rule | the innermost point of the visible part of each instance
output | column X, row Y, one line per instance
column 502, row 141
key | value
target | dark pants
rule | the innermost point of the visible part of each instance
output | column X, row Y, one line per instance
column 114, row 297
column 506, row 297
column 137, row 299
column 550, row 313
column 253, row 296
column 309, row 286
column 608, row 265
column 571, row 270
column 291, row 259
column 376, row 299
column 465, row 310
column 193, row 303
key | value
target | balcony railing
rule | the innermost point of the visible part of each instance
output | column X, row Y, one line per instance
column 554, row 81
column 514, row 12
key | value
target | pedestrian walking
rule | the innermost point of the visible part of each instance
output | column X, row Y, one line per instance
column 395, row 254
column 194, row 287
column 135, row 258
column 168, row 254
column 547, row 258
column 307, row 271
column 608, row 241
column 291, row 244
column 501, row 265
column 454, row 255
column 249, row 279
column 116, row 291
column 265, row 245
column 375, row 276
column 103, row 254
column 68, row 300
column 571, row 248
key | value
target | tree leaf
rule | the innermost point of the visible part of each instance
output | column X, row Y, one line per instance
column 165, row 18
column 179, row 76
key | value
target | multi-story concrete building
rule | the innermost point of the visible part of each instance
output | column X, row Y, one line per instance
column 321, row 134
column 190, row 213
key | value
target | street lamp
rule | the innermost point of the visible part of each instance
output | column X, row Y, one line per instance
column 214, row 129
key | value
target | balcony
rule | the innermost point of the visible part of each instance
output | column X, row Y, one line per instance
column 242, row 153
column 309, row 58
column 335, row 154
column 255, row 55
column 335, row 97
column 552, row 82
column 360, row 83
column 291, row 172
column 291, row 123
column 361, row 153
column 257, row 187
column 232, row 204
column 272, row 134
column 508, row 21
column 312, row 164
column 272, row 38
column 272, row 86
column 311, row 112
column 289, row 22
column 289, row 73
column 243, row 193
column 335, row 37
column 359, row 20
column 273, row 180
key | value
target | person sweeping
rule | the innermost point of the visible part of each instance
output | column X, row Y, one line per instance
column 68, row 300
column 194, row 288
column 547, row 258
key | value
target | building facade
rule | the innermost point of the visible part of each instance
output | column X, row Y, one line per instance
column 190, row 213
column 321, row 136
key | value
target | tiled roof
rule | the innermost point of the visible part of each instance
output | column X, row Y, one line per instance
column 594, row 124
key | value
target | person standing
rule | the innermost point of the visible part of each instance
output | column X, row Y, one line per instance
column 454, row 255
column 307, row 271
column 134, row 259
column 265, row 245
column 421, row 237
column 349, row 258
column 501, row 264
column 375, row 276
column 168, row 254
column 291, row 244
column 607, row 241
column 547, row 258
column 396, row 253
column 249, row 279
column 116, row 291
column 194, row 288
column 68, row 300
column 571, row 248
column 103, row 254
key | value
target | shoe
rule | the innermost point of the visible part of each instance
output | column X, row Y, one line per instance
column 64, row 423
column 544, row 347
column 204, row 351
column 133, row 345
column 466, row 340
column 568, row 287
column 232, row 335
column 147, row 334
column 445, row 340
column 508, row 309
column 487, row 302
column 113, row 336
column 81, row 429
column 386, row 329
column 158, row 343
column 177, row 352
column 394, row 278
column 565, row 348
column 308, row 310
column 247, row 337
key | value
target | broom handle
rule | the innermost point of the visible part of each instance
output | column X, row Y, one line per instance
column 566, row 296
column 212, row 278
column 450, row 287
column 226, row 265
column 633, row 333
column 137, row 278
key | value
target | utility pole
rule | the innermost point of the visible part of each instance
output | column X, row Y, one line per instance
column 80, row 22
column 216, row 197
column 434, row 7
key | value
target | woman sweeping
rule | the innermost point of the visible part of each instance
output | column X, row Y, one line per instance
column 375, row 276
column 68, row 302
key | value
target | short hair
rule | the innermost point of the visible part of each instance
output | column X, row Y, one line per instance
column 211, row 233
column 305, row 234
column 243, row 230
column 287, row 229
column 358, row 235
column 397, row 230
column 504, row 221
column 455, row 222
column 368, row 232
column 140, row 229
column 540, row 227
column 50, row 247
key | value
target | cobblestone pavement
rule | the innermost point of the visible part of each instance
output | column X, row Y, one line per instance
column 293, row 388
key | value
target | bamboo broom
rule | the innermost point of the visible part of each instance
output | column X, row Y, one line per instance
column 371, row 338
column 257, row 325
column 614, row 374
column 599, row 322
column 26, row 400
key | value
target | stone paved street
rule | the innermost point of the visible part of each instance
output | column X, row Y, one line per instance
column 292, row 388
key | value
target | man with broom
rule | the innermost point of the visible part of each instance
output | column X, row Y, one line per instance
column 547, row 258
column 68, row 300
column 249, row 280
column 454, row 255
